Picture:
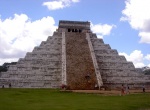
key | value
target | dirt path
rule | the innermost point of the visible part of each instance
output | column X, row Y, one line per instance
column 112, row 92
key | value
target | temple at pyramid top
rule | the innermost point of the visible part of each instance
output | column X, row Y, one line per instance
column 74, row 58
column 74, row 26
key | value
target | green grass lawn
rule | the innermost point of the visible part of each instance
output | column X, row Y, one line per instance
column 47, row 99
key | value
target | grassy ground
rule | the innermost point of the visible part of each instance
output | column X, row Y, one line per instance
column 46, row 99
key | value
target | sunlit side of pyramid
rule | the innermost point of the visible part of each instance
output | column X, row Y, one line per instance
column 74, row 57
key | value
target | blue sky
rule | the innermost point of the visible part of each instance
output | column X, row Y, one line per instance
column 124, row 24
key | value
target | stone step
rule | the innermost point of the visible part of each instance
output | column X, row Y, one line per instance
column 93, row 36
column 42, row 49
column 25, row 68
column 96, row 41
column 35, row 61
column 30, row 67
column 109, row 57
column 41, row 56
column 44, row 58
column 126, row 79
column 109, row 71
column 40, row 63
column 31, row 83
column 101, row 46
column 57, row 33
column 106, row 51
column 116, row 65
column 32, row 75
column 120, row 73
column 44, row 71
column 111, row 61
column 48, row 45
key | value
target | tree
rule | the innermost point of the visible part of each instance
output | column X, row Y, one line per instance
column 5, row 66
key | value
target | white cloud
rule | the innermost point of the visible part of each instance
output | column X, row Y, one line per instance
column 101, row 29
column 145, row 37
column 139, row 65
column 59, row 4
column 75, row 0
column 54, row 5
column 100, row 36
column 19, row 35
column 136, row 57
column 137, row 14
column 147, row 57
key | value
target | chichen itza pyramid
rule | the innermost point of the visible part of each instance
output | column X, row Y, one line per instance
column 75, row 57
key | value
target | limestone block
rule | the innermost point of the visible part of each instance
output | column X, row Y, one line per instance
column 122, row 58
column 46, row 56
column 37, row 84
column 4, row 75
column 52, row 51
column 92, row 36
column 147, row 77
column 96, row 41
column 48, row 45
column 15, row 76
column 57, row 34
column 39, row 49
column 47, row 85
column 106, row 51
column 102, row 46
column 109, row 58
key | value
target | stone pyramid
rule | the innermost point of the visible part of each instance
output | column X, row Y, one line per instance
column 73, row 57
